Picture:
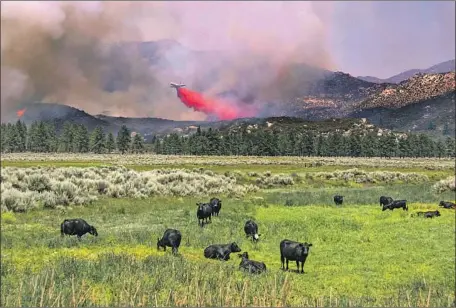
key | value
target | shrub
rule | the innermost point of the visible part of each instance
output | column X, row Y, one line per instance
column 79, row 186
column 444, row 185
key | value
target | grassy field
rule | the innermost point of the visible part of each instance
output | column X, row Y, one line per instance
column 360, row 256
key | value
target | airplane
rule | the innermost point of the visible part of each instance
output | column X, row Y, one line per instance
column 176, row 85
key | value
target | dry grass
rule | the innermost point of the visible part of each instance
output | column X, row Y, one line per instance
column 150, row 159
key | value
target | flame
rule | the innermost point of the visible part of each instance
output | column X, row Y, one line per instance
column 20, row 112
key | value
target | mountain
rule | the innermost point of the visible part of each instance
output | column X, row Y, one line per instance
column 444, row 67
column 302, row 91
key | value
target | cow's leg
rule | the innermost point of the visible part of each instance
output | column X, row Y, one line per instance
column 282, row 261
column 79, row 237
column 302, row 267
column 287, row 264
column 174, row 250
column 297, row 265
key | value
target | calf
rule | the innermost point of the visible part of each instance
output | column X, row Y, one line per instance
column 251, row 230
column 294, row 251
column 396, row 205
column 203, row 212
column 221, row 252
column 338, row 200
column 171, row 238
column 447, row 205
column 385, row 200
column 429, row 214
column 216, row 205
column 253, row 267
column 77, row 227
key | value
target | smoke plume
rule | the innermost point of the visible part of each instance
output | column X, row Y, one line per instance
column 88, row 54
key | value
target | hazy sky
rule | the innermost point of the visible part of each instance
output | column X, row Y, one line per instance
column 384, row 38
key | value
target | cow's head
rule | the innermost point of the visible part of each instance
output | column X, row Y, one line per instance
column 159, row 243
column 234, row 247
column 437, row 213
column 256, row 237
column 303, row 249
column 93, row 231
column 385, row 207
column 442, row 203
column 244, row 255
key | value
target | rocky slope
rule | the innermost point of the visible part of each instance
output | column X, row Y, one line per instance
column 444, row 67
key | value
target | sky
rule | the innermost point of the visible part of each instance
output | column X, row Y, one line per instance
column 384, row 38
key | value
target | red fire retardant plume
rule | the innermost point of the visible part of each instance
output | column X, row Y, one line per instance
column 224, row 110
column 20, row 112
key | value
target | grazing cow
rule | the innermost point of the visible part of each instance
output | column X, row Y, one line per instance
column 338, row 200
column 77, row 227
column 385, row 200
column 447, row 205
column 221, row 252
column 171, row 238
column 396, row 205
column 429, row 214
column 203, row 212
column 253, row 267
column 216, row 205
column 294, row 251
column 251, row 230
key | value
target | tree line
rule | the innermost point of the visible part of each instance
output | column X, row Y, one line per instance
column 43, row 137
column 303, row 143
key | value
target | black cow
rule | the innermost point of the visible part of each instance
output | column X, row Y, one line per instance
column 429, row 214
column 251, row 230
column 171, row 238
column 294, row 251
column 447, row 205
column 396, row 204
column 203, row 212
column 253, row 267
column 221, row 252
column 338, row 200
column 385, row 200
column 77, row 227
column 216, row 205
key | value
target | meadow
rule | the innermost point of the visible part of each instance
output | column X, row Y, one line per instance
column 360, row 256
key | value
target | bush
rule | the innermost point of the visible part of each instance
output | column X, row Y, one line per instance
column 444, row 185
column 80, row 186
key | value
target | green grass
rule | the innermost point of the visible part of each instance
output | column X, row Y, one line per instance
column 360, row 256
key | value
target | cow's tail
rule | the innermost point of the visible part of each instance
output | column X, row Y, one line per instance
column 62, row 233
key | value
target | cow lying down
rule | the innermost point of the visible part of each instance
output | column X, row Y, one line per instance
column 250, row 266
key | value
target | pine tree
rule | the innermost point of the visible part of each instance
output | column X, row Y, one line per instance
column 66, row 139
column 51, row 137
column 123, row 139
column 446, row 130
column 21, row 135
column 84, row 140
column 354, row 142
column 440, row 149
column 110, row 143
column 369, row 146
column 137, row 145
column 450, row 147
column 97, row 140
column 3, row 133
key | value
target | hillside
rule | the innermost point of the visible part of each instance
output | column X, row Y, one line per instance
column 435, row 116
column 418, row 88
column 444, row 67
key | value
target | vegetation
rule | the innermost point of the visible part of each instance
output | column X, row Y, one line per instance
column 294, row 141
column 361, row 256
